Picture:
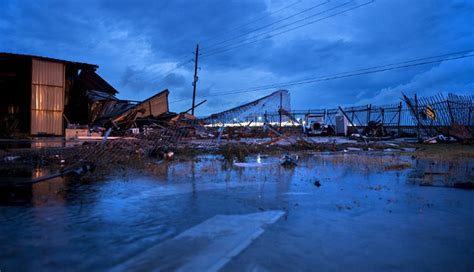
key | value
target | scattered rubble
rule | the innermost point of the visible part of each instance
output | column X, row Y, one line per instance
column 289, row 160
column 137, row 134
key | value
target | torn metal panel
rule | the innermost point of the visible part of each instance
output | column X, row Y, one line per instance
column 91, row 98
column 90, row 80
column 100, row 104
column 154, row 105
column 151, row 107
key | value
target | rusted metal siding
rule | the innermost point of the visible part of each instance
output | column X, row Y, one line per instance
column 47, row 97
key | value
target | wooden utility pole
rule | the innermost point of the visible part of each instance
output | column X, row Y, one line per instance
column 195, row 77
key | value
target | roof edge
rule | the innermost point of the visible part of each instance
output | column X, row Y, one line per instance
column 15, row 55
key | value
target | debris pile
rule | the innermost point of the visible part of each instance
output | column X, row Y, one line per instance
column 439, row 119
column 289, row 160
column 144, row 132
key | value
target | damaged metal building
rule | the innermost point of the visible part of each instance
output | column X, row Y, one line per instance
column 42, row 96
column 255, row 111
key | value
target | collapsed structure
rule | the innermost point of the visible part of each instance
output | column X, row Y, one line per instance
column 42, row 96
column 109, row 111
column 278, row 101
column 45, row 96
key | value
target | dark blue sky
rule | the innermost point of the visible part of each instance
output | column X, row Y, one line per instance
column 136, row 43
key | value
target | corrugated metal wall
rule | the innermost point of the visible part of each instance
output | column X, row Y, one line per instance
column 154, row 106
column 47, row 97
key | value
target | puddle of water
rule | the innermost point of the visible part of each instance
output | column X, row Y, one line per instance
column 209, row 246
column 361, row 216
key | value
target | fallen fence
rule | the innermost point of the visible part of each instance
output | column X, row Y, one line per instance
column 423, row 116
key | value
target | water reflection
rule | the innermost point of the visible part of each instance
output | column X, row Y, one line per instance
column 53, row 190
column 205, row 171
column 444, row 173
column 18, row 190
column 97, row 224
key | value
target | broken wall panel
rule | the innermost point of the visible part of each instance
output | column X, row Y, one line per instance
column 154, row 106
column 151, row 107
column 47, row 97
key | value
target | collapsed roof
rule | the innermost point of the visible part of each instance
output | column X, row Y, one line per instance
column 39, row 95
column 271, row 103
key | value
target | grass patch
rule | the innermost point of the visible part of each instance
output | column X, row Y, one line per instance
column 444, row 152
column 397, row 166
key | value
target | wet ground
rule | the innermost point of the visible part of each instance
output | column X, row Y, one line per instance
column 329, row 213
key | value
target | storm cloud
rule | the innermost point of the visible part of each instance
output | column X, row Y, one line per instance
column 143, row 47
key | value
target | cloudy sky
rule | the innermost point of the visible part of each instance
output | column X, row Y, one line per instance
column 143, row 47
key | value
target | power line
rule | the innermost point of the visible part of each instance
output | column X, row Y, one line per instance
column 353, row 73
column 268, row 86
column 227, row 48
column 253, row 40
column 181, row 64
column 255, row 20
column 267, row 25
column 168, row 72
column 373, row 71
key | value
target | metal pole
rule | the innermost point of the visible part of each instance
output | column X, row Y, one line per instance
column 399, row 117
column 281, row 105
column 417, row 113
column 195, row 77
column 348, row 119
column 469, row 117
column 451, row 117
column 369, row 108
column 382, row 117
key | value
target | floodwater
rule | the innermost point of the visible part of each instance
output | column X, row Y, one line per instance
column 206, row 214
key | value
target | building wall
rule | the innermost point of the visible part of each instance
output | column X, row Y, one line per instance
column 15, row 93
column 47, row 97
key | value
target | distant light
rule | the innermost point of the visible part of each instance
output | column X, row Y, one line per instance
column 259, row 118
column 235, row 119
